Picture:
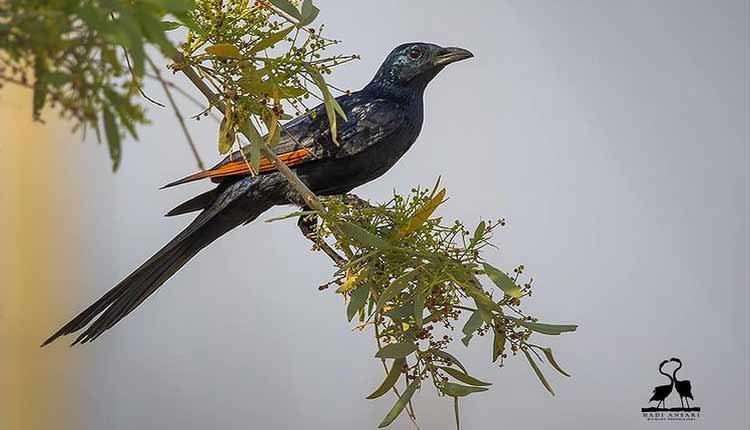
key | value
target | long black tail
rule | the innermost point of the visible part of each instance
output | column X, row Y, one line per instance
column 144, row 281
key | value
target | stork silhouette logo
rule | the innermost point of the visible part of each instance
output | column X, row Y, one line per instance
column 669, row 393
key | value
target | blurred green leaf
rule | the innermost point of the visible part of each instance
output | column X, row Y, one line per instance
column 224, row 50
column 498, row 344
column 113, row 137
column 394, row 288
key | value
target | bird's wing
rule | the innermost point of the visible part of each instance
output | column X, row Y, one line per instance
column 308, row 138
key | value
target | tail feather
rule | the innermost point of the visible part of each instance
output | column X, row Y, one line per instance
column 199, row 202
column 117, row 303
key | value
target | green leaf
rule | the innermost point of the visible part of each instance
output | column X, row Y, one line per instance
column 551, row 359
column 402, row 311
column 133, row 41
column 271, row 40
column 538, row 372
column 478, row 233
column 422, row 215
column 113, row 137
column 331, row 105
column 288, row 8
column 396, row 350
column 464, row 377
column 466, row 339
column 472, row 324
column 170, row 25
column 458, row 390
column 390, row 379
column 362, row 236
column 226, row 136
column 419, row 301
column 448, row 356
column 57, row 78
column 252, row 134
column 400, row 404
column 309, row 13
column 548, row 329
column 499, row 278
column 224, row 50
column 394, row 289
column 498, row 344
column 357, row 301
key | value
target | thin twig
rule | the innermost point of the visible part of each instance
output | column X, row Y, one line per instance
column 177, row 113
column 135, row 79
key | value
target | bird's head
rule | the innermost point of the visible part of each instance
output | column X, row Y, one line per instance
column 414, row 65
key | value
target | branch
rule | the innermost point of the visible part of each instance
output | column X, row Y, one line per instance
column 177, row 113
column 298, row 186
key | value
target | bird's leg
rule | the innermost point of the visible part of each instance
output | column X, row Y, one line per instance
column 307, row 224
column 353, row 200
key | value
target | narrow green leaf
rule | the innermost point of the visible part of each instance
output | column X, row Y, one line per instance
column 362, row 236
column 226, row 136
column 394, row 289
column 400, row 404
column 499, row 278
column 464, row 377
column 472, row 324
column 396, row 350
column 331, row 105
column 288, row 8
column 419, row 301
column 448, row 356
column 224, row 50
column 538, row 372
column 548, row 329
column 402, row 311
column 309, row 13
column 249, row 130
column 458, row 390
column 466, row 339
column 390, row 379
column 271, row 40
column 553, row 362
column 498, row 344
column 113, row 137
column 57, row 78
column 170, row 25
column 357, row 301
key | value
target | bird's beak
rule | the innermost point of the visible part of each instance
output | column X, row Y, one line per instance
column 451, row 55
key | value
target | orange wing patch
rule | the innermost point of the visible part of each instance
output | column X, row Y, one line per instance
column 241, row 167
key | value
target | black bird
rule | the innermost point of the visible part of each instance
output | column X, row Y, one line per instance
column 384, row 120
column 662, row 391
column 684, row 389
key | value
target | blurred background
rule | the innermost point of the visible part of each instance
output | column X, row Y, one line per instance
column 612, row 136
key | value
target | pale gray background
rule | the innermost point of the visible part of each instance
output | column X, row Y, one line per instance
column 613, row 137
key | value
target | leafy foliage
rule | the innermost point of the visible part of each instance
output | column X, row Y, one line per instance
column 262, row 60
column 414, row 278
column 75, row 51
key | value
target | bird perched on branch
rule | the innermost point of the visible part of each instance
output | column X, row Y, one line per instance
column 383, row 121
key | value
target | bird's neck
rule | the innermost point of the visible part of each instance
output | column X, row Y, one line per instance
column 406, row 94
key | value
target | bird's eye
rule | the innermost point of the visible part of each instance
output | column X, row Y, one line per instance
column 415, row 53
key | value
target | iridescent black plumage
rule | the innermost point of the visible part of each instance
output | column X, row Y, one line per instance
column 383, row 121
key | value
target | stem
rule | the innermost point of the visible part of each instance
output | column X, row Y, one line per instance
column 177, row 113
column 298, row 186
